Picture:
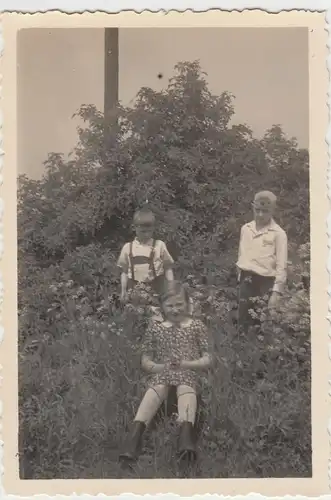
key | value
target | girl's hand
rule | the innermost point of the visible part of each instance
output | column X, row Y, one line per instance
column 173, row 365
column 158, row 368
column 197, row 364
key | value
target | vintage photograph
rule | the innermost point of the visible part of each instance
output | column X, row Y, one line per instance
column 164, row 253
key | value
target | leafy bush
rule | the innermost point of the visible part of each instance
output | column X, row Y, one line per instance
column 79, row 370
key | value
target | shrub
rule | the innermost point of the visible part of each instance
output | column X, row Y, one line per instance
column 79, row 373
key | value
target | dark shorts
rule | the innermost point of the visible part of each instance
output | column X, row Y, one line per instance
column 143, row 296
column 252, row 286
column 142, row 306
column 154, row 287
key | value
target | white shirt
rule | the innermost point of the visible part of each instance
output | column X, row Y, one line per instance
column 264, row 252
column 141, row 253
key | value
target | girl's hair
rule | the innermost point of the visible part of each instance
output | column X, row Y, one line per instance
column 172, row 289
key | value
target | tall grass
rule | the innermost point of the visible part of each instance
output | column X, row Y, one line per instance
column 81, row 383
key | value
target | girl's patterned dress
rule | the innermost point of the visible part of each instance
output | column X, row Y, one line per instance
column 165, row 342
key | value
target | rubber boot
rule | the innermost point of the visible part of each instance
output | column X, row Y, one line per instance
column 134, row 441
column 186, row 442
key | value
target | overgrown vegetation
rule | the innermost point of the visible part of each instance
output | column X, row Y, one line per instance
column 79, row 370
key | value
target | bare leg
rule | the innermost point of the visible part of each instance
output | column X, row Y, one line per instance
column 187, row 408
column 151, row 402
column 187, row 403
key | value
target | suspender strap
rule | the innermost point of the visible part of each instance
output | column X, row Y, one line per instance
column 151, row 258
column 131, row 261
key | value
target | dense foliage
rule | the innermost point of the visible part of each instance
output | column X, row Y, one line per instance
column 78, row 358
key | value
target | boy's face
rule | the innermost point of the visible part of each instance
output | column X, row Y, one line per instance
column 144, row 230
column 262, row 213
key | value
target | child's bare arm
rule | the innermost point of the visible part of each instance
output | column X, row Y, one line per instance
column 168, row 263
column 197, row 364
column 205, row 361
column 123, row 264
column 124, row 284
column 169, row 274
column 149, row 366
column 148, row 352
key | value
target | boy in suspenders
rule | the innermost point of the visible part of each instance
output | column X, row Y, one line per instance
column 144, row 262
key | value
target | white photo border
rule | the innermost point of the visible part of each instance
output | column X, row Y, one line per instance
column 79, row 6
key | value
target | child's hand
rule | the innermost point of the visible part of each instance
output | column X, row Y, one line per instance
column 158, row 368
column 124, row 297
column 173, row 365
column 196, row 364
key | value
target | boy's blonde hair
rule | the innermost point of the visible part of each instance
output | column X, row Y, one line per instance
column 144, row 216
column 266, row 199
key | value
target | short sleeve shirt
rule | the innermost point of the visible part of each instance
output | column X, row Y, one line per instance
column 141, row 260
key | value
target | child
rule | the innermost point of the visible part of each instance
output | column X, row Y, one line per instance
column 173, row 353
column 145, row 263
column 262, row 259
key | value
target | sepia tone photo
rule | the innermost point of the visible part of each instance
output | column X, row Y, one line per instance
column 166, row 204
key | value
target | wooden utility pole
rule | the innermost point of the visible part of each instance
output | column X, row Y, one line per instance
column 111, row 70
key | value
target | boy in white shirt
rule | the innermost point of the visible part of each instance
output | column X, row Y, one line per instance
column 262, row 259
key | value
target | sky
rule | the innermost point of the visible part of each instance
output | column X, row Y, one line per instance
column 61, row 69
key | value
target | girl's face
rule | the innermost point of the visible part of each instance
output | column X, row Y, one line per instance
column 175, row 308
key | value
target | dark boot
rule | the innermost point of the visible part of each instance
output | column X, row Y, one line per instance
column 186, row 442
column 134, row 442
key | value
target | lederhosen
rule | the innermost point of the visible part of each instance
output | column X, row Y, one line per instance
column 157, row 283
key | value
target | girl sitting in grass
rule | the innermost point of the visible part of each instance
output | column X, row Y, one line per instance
column 173, row 353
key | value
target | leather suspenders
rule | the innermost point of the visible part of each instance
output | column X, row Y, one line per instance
column 151, row 260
